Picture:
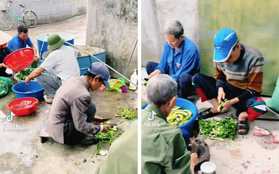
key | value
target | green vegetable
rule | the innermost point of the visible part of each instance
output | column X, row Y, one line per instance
column 143, row 103
column 107, row 137
column 145, row 83
column 178, row 117
column 77, row 163
column 127, row 113
column 220, row 107
column 84, row 161
column 218, row 129
column 23, row 74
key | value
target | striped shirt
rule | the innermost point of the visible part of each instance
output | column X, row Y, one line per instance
column 246, row 73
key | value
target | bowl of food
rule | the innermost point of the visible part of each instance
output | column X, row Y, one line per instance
column 21, row 75
column 185, row 112
column 208, row 167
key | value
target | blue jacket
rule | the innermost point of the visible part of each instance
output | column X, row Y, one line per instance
column 185, row 61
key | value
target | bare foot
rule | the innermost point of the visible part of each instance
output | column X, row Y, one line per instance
column 49, row 101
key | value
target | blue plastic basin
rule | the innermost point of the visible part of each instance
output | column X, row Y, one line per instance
column 85, row 61
column 34, row 89
column 42, row 41
column 185, row 104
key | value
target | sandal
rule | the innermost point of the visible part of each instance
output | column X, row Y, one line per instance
column 206, row 114
column 241, row 127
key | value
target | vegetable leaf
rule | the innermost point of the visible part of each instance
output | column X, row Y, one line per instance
column 218, row 129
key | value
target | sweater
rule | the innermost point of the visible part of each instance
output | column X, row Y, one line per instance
column 246, row 73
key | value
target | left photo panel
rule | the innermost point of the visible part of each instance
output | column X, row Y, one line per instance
column 69, row 87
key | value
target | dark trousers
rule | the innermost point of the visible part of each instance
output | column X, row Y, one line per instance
column 184, row 81
column 206, row 88
column 71, row 135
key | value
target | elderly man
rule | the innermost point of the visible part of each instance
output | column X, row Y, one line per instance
column 61, row 62
column 22, row 40
column 180, row 59
column 71, row 116
column 237, row 82
column 163, row 146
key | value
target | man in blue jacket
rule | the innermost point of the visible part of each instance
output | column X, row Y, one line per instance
column 180, row 59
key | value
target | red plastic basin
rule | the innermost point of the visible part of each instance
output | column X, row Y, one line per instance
column 20, row 59
column 23, row 106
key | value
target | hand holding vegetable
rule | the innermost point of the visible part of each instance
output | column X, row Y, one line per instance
column 227, row 104
column 221, row 95
column 106, row 128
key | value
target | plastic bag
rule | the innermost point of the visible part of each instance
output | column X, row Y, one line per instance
column 273, row 102
column 5, row 83
column 116, row 84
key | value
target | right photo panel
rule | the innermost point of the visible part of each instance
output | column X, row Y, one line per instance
column 210, row 87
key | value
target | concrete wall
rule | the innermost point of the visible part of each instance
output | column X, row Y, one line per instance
column 49, row 11
column 113, row 26
column 155, row 14
column 256, row 23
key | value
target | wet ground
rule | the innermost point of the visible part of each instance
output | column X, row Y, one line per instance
column 21, row 151
column 251, row 155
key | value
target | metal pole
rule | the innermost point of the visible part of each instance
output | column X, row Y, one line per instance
column 103, row 63
column 128, row 63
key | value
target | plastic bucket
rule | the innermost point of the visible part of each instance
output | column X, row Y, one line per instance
column 34, row 89
column 185, row 104
column 42, row 41
column 84, row 60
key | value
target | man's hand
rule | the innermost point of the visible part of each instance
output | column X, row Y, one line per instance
column 194, row 161
column 27, row 80
column 154, row 73
column 226, row 106
column 36, row 58
column 105, row 128
column 221, row 95
column 3, row 65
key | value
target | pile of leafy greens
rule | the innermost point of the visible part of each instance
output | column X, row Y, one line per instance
column 23, row 74
column 218, row 129
column 127, row 113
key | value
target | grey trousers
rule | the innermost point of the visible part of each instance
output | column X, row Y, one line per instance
column 50, row 83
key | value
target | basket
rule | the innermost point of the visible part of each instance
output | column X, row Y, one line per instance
column 23, row 106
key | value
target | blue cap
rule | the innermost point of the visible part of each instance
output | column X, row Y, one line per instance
column 224, row 41
column 99, row 69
